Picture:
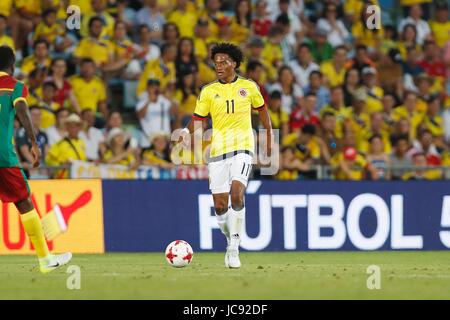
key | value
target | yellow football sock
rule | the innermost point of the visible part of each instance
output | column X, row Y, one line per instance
column 32, row 225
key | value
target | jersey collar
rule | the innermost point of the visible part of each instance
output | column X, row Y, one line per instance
column 234, row 80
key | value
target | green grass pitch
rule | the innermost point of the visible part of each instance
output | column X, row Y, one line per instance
column 289, row 275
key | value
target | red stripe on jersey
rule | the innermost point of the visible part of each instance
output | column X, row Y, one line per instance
column 260, row 108
column 24, row 92
column 196, row 117
column 7, row 82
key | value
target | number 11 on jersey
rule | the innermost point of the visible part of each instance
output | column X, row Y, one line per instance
column 232, row 106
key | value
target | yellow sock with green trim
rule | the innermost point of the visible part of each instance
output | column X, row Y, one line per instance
column 33, row 227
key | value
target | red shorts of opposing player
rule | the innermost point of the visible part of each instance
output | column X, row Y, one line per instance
column 13, row 185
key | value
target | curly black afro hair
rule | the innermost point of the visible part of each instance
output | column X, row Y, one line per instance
column 234, row 52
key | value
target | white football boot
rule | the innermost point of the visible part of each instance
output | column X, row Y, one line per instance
column 54, row 261
column 233, row 259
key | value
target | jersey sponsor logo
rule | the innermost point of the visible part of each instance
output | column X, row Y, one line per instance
column 243, row 93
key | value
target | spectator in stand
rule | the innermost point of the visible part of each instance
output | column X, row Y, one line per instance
column 146, row 50
column 409, row 111
column 335, row 28
column 171, row 34
column 255, row 70
column 254, row 54
column 378, row 157
column 419, row 160
column 154, row 111
column 94, row 46
column 119, row 152
column 334, row 70
column 261, row 21
column 305, row 113
column 372, row 38
column 434, row 122
column 352, row 80
column 374, row 92
column 278, row 117
column 242, row 20
column 39, row 59
column 358, row 120
column 330, row 135
column 415, row 18
column 90, row 90
column 159, row 152
column 68, row 149
column 350, row 165
column 201, row 39
column 162, row 69
column 424, row 143
column 408, row 39
column 50, row 30
column 185, row 61
column 151, row 16
column 184, row 16
column 57, row 132
column 99, row 11
column 307, row 147
column 186, row 97
column 303, row 65
column 48, row 105
column 433, row 63
column 91, row 136
column 5, row 40
column 361, row 59
column 399, row 157
column 25, row 16
column 124, row 51
column 64, row 94
column 318, row 89
column 23, row 144
column 291, row 92
column 321, row 49
column 390, row 72
column 440, row 26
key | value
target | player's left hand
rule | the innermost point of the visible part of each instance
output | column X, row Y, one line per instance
column 36, row 153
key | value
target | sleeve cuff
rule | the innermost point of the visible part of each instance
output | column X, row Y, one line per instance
column 19, row 99
column 198, row 117
column 261, row 108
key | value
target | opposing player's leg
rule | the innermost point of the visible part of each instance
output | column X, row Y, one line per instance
column 219, row 185
column 239, row 171
column 14, row 188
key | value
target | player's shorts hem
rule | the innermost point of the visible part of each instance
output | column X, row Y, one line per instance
column 221, row 190
column 229, row 155
column 241, row 180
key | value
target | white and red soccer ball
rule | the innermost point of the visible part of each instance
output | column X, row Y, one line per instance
column 179, row 253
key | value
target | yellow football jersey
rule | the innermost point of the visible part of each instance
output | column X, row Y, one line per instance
column 230, row 106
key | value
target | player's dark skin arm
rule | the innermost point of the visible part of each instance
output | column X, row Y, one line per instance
column 23, row 114
column 264, row 118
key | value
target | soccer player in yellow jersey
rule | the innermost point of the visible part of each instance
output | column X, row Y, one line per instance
column 229, row 101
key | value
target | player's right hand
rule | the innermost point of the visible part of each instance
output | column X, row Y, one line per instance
column 36, row 153
column 185, row 138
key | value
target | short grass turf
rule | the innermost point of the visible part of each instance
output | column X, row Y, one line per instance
column 288, row 275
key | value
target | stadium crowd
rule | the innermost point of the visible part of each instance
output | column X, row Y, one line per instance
column 362, row 101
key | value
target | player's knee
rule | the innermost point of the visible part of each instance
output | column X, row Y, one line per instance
column 24, row 206
column 237, row 201
column 221, row 207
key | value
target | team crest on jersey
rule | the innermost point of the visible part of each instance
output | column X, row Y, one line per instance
column 243, row 93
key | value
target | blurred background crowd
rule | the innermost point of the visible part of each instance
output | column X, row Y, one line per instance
column 366, row 103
